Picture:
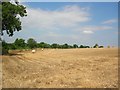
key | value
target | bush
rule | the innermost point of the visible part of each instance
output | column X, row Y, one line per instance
column 101, row 46
column 4, row 51
column 96, row 46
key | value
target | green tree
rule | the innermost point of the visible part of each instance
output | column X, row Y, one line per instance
column 4, row 44
column 81, row 46
column 54, row 45
column 46, row 45
column 40, row 45
column 4, row 47
column 75, row 46
column 19, row 43
column 96, row 46
column 31, row 43
column 101, row 46
column 43, row 45
column 0, row 17
column 86, row 46
column 11, row 14
column 10, row 19
column 65, row 45
column 12, row 46
column 70, row 46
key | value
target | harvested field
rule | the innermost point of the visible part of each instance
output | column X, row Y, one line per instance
column 61, row 68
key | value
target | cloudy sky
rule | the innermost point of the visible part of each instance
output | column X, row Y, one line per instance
column 73, row 22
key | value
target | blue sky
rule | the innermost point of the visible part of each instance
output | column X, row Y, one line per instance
column 70, row 22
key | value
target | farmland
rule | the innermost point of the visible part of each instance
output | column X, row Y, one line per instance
column 61, row 68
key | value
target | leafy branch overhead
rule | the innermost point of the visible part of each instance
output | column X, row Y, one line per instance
column 11, row 14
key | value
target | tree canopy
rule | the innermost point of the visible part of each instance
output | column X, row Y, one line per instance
column 11, row 14
column 96, row 46
column 20, row 43
column 31, row 43
column 75, row 45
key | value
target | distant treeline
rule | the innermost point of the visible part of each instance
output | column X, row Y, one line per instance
column 31, row 43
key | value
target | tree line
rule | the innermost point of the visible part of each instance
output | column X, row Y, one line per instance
column 31, row 43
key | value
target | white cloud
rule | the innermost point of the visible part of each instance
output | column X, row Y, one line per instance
column 94, row 28
column 65, row 18
column 88, row 32
column 111, row 21
column 91, row 29
column 68, row 16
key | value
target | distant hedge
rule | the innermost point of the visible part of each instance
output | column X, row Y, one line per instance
column 31, row 43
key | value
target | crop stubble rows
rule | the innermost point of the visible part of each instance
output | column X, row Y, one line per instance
column 62, row 68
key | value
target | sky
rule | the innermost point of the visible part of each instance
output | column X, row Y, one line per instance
column 79, row 23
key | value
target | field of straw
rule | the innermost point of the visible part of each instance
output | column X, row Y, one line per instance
column 61, row 68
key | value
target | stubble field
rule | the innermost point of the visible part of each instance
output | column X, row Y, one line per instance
column 61, row 68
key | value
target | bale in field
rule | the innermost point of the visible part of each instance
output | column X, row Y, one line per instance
column 33, row 51
column 42, row 49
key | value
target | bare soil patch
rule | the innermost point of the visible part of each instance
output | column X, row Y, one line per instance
column 61, row 68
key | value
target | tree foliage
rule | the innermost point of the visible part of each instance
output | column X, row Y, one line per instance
column 19, row 43
column 75, row 45
column 11, row 14
column 81, row 46
column 54, row 45
column 43, row 45
column 65, row 46
column 0, row 16
column 101, row 46
column 5, row 49
column 31, row 43
column 96, row 46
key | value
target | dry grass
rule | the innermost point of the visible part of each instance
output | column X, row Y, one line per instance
column 62, row 68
